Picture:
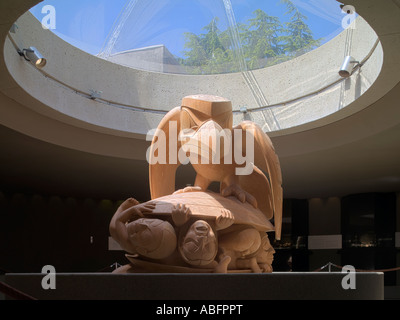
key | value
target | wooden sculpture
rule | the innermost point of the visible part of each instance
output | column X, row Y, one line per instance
column 194, row 229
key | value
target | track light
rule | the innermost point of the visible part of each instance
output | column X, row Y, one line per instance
column 347, row 67
column 14, row 28
column 33, row 55
column 95, row 94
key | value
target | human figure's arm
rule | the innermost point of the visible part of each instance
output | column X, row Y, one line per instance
column 128, row 211
column 180, row 214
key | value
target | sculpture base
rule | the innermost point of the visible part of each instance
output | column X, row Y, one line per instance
column 145, row 286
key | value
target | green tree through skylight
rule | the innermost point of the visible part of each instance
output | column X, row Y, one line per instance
column 265, row 41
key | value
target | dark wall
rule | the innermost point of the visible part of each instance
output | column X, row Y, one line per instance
column 291, row 253
column 38, row 230
column 368, row 228
column 370, row 213
column 70, row 234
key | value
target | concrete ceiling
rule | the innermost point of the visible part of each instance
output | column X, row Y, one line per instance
column 368, row 165
column 371, row 164
column 359, row 153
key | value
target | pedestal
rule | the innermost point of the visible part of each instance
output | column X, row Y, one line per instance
column 275, row 286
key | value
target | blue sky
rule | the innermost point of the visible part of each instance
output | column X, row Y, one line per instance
column 87, row 23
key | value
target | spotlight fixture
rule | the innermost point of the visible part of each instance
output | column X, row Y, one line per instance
column 243, row 109
column 347, row 8
column 33, row 55
column 95, row 94
column 14, row 28
column 347, row 67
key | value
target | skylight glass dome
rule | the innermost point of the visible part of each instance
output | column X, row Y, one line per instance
column 200, row 36
column 206, row 37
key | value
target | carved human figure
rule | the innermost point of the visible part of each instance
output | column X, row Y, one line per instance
column 248, row 249
column 152, row 238
column 199, row 245
column 239, row 247
column 130, row 210
column 156, row 239
column 265, row 255
column 213, row 244
column 198, row 239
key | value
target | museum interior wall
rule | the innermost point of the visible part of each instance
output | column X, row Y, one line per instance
column 71, row 233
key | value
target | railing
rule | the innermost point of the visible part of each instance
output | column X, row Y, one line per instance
column 329, row 266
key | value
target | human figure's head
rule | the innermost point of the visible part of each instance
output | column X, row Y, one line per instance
column 152, row 238
column 199, row 246
column 266, row 253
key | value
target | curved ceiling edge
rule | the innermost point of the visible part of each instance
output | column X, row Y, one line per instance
column 384, row 82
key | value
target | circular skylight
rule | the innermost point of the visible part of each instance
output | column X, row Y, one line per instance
column 194, row 36
column 277, row 61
